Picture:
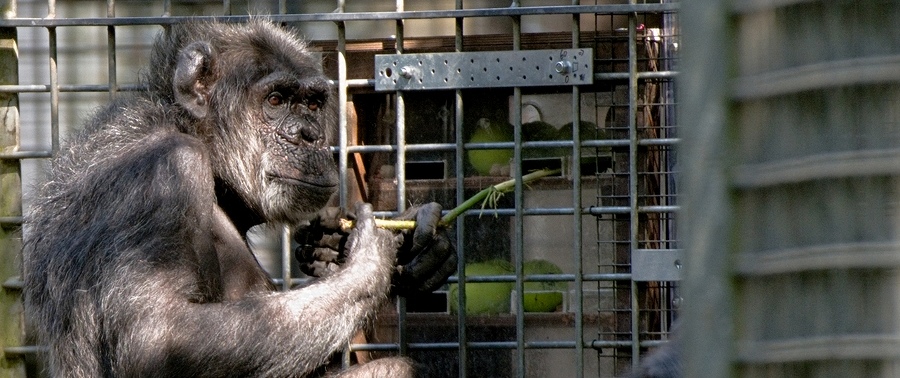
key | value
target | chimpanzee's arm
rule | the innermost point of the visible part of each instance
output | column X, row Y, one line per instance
column 165, row 329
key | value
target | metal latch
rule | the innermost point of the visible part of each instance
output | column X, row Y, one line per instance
column 489, row 69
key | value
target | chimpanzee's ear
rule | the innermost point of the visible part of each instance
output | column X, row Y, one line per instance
column 193, row 77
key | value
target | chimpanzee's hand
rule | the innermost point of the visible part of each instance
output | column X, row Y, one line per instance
column 424, row 261
column 428, row 254
column 321, row 250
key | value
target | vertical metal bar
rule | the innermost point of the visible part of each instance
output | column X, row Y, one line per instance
column 633, row 175
column 111, row 49
column 286, row 280
column 460, row 223
column 167, row 8
column 343, row 141
column 400, row 170
column 54, row 80
column 519, row 195
column 576, row 204
column 226, row 7
column 343, row 159
column 286, row 234
column 667, row 54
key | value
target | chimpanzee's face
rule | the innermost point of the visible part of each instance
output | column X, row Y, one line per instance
column 299, row 168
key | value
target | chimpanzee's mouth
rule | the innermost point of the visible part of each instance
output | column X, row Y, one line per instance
column 317, row 183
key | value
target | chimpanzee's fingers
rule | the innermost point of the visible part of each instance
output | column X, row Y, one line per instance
column 427, row 218
column 406, row 285
column 311, row 252
column 364, row 217
column 329, row 218
column 439, row 277
column 428, row 270
column 334, row 242
column 428, row 261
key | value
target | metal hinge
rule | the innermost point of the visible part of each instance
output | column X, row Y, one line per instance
column 488, row 69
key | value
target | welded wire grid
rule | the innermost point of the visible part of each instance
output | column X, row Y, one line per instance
column 623, row 197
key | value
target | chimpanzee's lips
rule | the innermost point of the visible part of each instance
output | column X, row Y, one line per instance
column 320, row 183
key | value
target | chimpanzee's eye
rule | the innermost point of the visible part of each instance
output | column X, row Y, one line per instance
column 275, row 99
column 313, row 106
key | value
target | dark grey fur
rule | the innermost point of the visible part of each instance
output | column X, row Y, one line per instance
column 664, row 361
column 136, row 264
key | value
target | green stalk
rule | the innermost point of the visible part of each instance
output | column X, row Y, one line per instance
column 485, row 196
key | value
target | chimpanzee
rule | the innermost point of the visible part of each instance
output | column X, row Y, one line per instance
column 136, row 263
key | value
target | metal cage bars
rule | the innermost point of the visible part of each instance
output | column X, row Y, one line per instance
column 340, row 18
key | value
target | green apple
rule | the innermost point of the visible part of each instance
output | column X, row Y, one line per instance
column 490, row 132
column 542, row 301
column 543, row 296
column 484, row 297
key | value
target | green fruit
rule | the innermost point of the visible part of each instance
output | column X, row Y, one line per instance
column 490, row 132
column 542, row 301
column 588, row 131
column 539, row 130
column 484, row 297
column 542, row 296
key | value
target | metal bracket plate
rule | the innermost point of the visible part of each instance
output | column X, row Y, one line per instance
column 490, row 69
column 656, row 264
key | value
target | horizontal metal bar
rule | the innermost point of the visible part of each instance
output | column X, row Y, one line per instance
column 22, row 351
column 593, row 210
column 12, row 221
column 820, row 257
column 606, row 277
column 350, row 16
column 820, row 166
column 512, row 278
column 356, row 82
column 598, row 344
column 600, row 210
column 595, row 277
column 19, row 155
column 40, row 88
column 840, row 73
column 561, row 344
column 43, row 88
column 606, row 76
column 509, row 145
column 13, row 283
column 817, row 348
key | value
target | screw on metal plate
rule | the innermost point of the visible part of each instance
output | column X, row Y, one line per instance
column 563, row 67
column 483, row 69
column 407, row 72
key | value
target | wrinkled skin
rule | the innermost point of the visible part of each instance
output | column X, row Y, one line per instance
column 136, row 262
